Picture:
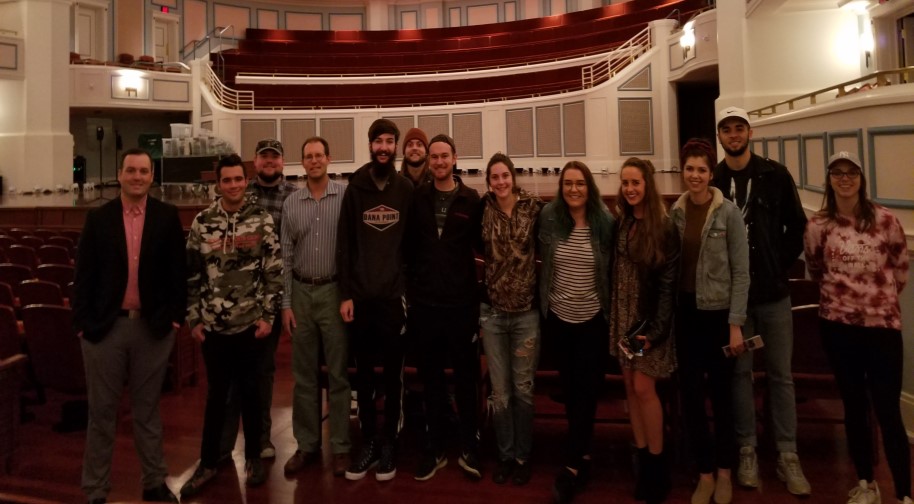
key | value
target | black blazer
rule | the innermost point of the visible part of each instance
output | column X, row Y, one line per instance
column 101, row 270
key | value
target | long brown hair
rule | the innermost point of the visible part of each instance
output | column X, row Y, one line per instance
column 864, row 211
column 646, row 245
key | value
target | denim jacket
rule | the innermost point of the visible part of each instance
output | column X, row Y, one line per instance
column 722, row 272
column 550, row 233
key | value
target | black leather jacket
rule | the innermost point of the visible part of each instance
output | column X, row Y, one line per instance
column 658, row 286
column 775, row 222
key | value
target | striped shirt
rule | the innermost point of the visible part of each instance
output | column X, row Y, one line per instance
column 574, row 296
column 308, row 238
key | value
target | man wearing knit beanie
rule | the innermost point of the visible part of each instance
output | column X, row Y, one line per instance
column 415, row 157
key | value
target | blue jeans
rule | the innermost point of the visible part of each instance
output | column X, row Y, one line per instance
column 774, row 322
column 512, row 345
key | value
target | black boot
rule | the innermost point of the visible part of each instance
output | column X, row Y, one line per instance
column 642, row 474
column 659, row 488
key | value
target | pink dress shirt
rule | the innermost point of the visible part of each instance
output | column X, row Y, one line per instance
column 134, row 219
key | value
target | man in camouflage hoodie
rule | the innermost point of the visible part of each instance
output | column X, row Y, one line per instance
column 235, row 280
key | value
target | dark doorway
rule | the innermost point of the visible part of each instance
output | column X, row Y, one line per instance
column 696, row 110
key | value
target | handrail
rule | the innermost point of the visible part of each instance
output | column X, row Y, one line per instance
column 207, row 41
column 883, row 78
column 226, row 96
column 220, row 55
column 616, row 60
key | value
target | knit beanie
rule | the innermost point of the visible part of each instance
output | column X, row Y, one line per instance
column 415, row 134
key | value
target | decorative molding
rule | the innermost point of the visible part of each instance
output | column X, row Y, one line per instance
column 759, row 146
column 782, row 152
column 804, row 160
column 855, row 133
column 159, row 87
column 872, row 134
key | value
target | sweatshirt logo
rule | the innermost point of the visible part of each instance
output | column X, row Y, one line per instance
column 381, row 217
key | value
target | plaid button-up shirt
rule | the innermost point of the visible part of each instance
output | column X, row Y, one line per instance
column 271, row 198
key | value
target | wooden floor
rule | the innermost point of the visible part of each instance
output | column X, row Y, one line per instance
column 49, row 462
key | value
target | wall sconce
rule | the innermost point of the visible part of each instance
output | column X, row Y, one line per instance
column 687, row 40
column 866, row 41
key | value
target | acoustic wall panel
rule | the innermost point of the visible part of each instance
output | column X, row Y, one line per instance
column 573, row 132
column 548, row 131
column 519, row 131
column 339, row 22
column 434, row 124
column 641, row 81
column 294, row 133
column 304, row 21
column 635, row 127
column 404, row 123
column 339, row 133
column 267, row 19
column 253, row 131
column 468, row 135
column 482, row 14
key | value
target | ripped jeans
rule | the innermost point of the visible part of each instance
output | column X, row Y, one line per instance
column 512, row 345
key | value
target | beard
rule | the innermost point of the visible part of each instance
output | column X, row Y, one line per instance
column 736, row 152
column 269, row 179
column 383, row 167
column 415, row 164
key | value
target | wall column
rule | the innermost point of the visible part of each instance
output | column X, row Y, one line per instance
column 39, row 141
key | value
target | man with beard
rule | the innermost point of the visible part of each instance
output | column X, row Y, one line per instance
column 370, row 261
column 775, row 221
column 415, row 157
column 269, row 190
column 444, row 306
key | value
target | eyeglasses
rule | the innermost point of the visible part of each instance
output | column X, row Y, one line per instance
column 839, row 174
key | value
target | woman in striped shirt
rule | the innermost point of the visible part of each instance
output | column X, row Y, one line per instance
column 575, row 238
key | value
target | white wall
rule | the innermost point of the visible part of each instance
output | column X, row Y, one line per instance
column 790, row 54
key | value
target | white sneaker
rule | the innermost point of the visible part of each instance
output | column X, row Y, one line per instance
column 747, row 475
column 790, row 472
column 863, row 494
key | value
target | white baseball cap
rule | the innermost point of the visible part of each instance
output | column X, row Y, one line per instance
column 729, row 112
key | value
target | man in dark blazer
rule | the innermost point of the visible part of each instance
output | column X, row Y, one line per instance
column 130, row 295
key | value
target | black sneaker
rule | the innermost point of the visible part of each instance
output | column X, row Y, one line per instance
column 367, row 459
column 503, row 471
column 387, row 467
column 160, row 493
column 563, row 489
column 429, row 465
column 255, row 475
column 200, row 477
column 469, row 462
column 522, row 474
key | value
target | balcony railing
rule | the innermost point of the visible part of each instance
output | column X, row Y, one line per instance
column 874, row 80
column 226, row 96
column 615, row 61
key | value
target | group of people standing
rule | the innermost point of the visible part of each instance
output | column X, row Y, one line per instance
column 387, row 264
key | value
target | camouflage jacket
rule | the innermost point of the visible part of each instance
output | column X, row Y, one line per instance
column 234, row 267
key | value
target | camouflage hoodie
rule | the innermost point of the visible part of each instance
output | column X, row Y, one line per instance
column 235, row 268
